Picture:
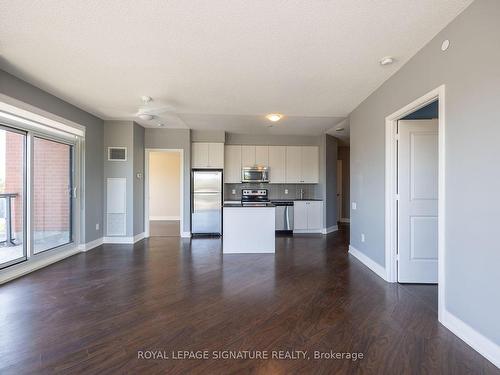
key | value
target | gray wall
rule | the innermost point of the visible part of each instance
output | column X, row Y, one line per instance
column 470, row 70
column 175, row 139
column 25, row 92
column 208, row 136
column 331, row 150
column 346, row 203
column 138, row 182
column 120, row 134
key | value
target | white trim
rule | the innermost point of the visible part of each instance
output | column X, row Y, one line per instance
column 34, row 263
column 331, row 229
column 345, row 220
column 124, row 239
column 91, row 245
column 368, row 262
column 139, row 237
column 19, row 111
column 473, row 338
column 164, row 218
column 317, row 231
column 391, row 183
column 147, row 151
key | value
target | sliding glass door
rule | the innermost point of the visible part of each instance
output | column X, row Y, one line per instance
column 12, row 196
column 52, row 189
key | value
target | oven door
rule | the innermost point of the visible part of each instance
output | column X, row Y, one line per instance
column 254, row 175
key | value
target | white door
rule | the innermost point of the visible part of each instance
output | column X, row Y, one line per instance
column 293, row 164
column 418, row 201
column 277, row 162
column 232, row 164
column 309, row 164
column 339, row 190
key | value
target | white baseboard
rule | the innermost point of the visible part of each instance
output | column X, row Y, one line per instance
column 484, row 346
column 90, row 245
column 310, row 231
column 331, row 229
column 186, row 234
column 124, row 240
column 34, row 264
column 139, row 237
column 158, row 218
column 368, row 262
column 345, row 220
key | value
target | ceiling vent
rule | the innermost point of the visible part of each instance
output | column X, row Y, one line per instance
column 117, row 153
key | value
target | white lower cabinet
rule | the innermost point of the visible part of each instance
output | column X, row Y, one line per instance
column 308, row 216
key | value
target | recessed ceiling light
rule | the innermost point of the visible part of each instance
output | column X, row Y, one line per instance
column 386, row 60
column 445, row 45
column 274, row 117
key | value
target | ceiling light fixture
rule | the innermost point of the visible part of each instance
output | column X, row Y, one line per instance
column 161, row 125
column 339, row 129
column 145, row 116
column 386, row 61
column 274, row 117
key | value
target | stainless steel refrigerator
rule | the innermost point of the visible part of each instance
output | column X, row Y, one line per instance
column 206, row 201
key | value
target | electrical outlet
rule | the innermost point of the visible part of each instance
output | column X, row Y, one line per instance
column 286, row 191
column 97, row 226
column 233, row 191
column 362, row 237
column 354, row 205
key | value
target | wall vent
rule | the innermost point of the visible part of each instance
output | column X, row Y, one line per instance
column 117, row 153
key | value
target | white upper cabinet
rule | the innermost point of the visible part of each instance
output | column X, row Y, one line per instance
column 207, row 155
column 262, row 156
column 277, row 164
column 232, row 164
column 247, row 156
column 293, row 164
column 216, row 155
column 310, row 164
column 302, row 164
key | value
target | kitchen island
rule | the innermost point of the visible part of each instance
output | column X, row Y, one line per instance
column 248, row 228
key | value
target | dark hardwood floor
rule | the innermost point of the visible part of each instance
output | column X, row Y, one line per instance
column 93, row 312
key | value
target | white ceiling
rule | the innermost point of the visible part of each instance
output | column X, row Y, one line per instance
column 220, row 64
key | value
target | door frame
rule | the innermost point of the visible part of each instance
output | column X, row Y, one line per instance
column 391, row 189
column 340, row 194
column 147, row 151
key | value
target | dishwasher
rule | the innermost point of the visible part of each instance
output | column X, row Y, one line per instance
column 284, row 215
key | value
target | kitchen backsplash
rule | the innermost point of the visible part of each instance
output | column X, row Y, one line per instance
column 276, row 191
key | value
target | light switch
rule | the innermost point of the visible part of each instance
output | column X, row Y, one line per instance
column 354, row 205
column 362, row 237
column 97, row 226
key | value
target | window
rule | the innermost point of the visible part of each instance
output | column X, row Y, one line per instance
column 52, row 194
column 12, row 196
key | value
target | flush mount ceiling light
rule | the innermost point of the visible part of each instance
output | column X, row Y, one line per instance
column 388, row 60
column 274, row 117
column 339, row 129
column 445, row 45
column 145, row 116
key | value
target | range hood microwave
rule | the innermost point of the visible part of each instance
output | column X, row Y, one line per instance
column 255, row 174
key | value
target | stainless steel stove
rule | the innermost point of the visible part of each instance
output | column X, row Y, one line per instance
column 251, row 197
